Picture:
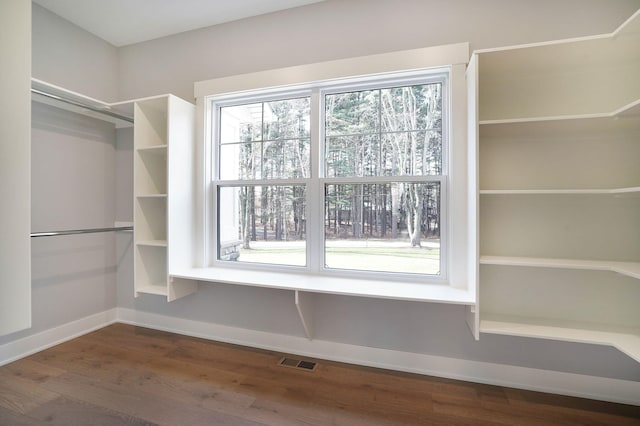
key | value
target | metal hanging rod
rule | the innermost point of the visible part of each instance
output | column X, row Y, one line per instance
column 81, row 105
column 81, row 231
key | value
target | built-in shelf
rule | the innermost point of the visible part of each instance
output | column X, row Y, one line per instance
column 151, row 196
column 565, row 78
column 158, row 149
column 625, row 339
column 164, row 142
column 557, row 136
column 157, row 289
column 616, row 191
column 152, row 243
column 630, row 269
column 632, row 109
column 51, row 94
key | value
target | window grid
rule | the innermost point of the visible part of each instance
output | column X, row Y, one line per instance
column 316, row 184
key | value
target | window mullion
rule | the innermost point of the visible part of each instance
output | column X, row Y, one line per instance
column 315, row 192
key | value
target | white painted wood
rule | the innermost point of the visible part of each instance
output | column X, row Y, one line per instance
column 180, row 288
column 601, row 388
column 625, row 339
column 566, row 78
column 559, row 177
column 630, row 269
column 630, row 110
column 181, row 213
column 181, row 183
column 152, row 243
column 568, row 155
column 64, row 93
column 164, row 161
column 461, row 202
column 582, row 226
column 429, row 57
column 414, row 291
column 473, row 247
column 15, row 166
column 304, row 305
column 617, row 191
column 150, row 193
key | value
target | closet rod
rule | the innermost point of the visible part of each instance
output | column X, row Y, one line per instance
column 81, row 105
column 81, row 231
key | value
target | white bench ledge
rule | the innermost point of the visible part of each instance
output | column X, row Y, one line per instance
column 396, row 290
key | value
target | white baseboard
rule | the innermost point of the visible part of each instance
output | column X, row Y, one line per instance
column 26, row 346
column 600, row 388
column 605, row 389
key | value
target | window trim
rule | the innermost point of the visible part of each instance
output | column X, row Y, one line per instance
column 462, row 286
column 315, row 237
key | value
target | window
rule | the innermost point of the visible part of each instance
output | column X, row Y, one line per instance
column 348, row 177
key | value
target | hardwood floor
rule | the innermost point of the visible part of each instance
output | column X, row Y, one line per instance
column 130, row 375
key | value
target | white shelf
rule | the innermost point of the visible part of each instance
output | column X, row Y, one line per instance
column 159, row 289
column 164, row 142
column 630, row 110
column 625, row 339
column 630, row 269
column 151, row 196
column 75, row 97
column 616, row 191
column 412, row 291
column 152, row 243
column 558, row 125
column 158, row 149
column 566, row 78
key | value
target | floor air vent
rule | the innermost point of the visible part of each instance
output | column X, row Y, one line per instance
column 298, row 364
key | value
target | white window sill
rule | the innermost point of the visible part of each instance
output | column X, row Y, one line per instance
column 411, row 291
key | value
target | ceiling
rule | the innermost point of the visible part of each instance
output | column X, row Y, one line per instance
column 123, row 22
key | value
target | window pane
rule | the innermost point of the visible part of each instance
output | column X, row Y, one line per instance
column 384, row 132
column 412, row 107
column 287, row 119
column 241, row 123
column 390, row 227
column 269, row 140
column 356, row 155
column 416, row 153
column 262, row 224
column 286, row 159
column 352, row 113
column 241, row 161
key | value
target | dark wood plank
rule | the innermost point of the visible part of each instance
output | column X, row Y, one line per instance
column 149, row 407
column 63, row 412
column 130, row 375
column 20, row 395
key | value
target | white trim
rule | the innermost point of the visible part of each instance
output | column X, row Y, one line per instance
column 578, row 385
column 429, row 57
column 26, row 346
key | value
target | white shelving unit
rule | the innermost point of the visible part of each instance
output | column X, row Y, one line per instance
column 163, row 151
column 559, row 188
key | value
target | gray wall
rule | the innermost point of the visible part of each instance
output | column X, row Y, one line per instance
column 329, row 30
column 336, row 29
column 73, row 186
column 67, row 56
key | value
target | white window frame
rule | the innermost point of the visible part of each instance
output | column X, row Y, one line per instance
column 315, row 184
column 459, row 186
